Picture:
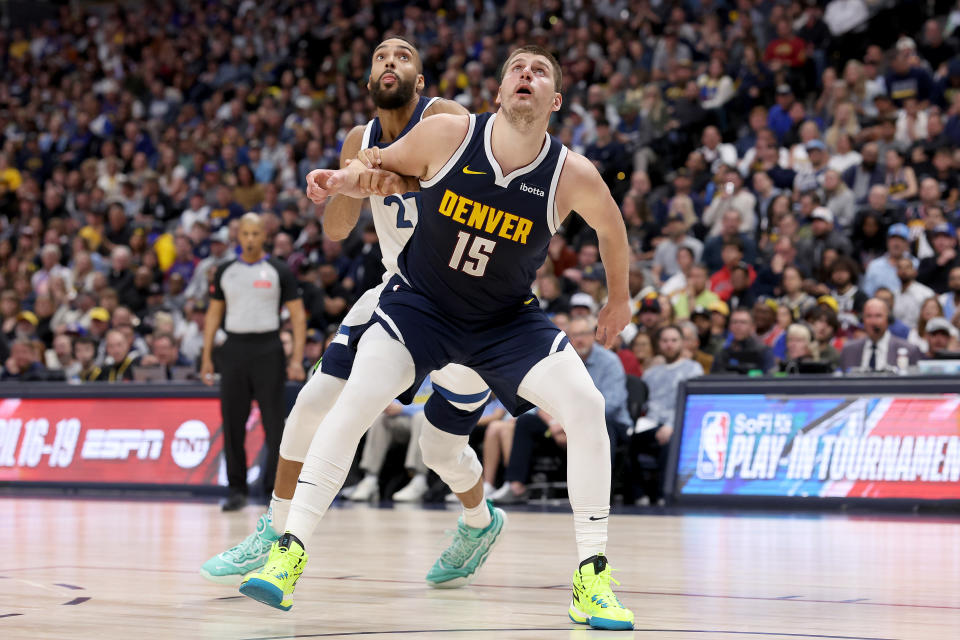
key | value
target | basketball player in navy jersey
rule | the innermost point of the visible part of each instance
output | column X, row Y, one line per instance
column 460, row 394
column 494, row 189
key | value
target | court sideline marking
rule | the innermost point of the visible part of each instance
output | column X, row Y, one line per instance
column 691, row 631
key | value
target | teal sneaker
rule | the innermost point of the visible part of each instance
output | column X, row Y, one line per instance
column 459, row 563
column 251, row 554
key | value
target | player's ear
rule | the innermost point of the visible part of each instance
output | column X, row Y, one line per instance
column 421, row 82
column 496, row 100
column 369, row 79
column 557, row 101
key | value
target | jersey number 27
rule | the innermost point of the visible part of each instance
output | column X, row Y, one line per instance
column 475, row 264
column 402, row 221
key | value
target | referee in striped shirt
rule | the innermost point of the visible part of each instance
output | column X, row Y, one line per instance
column 246, row 296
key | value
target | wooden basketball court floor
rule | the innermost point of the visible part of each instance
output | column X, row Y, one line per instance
column 103, row 569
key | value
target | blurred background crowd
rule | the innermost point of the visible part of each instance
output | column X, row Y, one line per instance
column 778, row 164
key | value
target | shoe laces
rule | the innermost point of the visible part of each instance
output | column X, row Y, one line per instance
column 598, row 585
column 461, row 548
column 251, row 547
column 284, row 559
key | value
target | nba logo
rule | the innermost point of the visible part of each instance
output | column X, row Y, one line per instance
column 714, row 430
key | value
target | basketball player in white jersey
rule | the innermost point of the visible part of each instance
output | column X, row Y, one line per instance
column 459, row 394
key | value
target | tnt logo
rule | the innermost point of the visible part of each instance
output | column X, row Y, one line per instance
column 190, row 444
column 714, row 433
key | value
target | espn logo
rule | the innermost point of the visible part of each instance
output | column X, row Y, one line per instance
column 118, row 444
column 714, row 436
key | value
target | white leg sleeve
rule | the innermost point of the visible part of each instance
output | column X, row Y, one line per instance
column 451, row 457
column 313, row 402
column 561, row 386
column 382, row 369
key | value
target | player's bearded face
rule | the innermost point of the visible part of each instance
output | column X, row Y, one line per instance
column 395, row 92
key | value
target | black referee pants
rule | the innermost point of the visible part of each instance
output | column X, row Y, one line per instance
column 252, row 367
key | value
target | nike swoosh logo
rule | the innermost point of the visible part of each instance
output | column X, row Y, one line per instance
column 530, row 300
column 592, row 518
column 299, row 481
column 469, row 172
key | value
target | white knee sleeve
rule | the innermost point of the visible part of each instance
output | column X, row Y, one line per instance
column 313, row 402
column 451, row 457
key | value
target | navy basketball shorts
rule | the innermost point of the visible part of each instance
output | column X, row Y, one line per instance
column 502, row 352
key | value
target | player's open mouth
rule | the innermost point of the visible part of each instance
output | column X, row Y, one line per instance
column 524, row 90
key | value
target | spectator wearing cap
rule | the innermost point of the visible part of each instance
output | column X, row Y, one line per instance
column 745, row 352
column 868, row 172
column 26, row 326
column 811, row 178
column 731, row 223
column 823, row 237
column 593, row 281
column 911, row 294
column 22, row 364
column 940, row 335
column 665, row 264
column 934, row 271
column 950, row 299
column 882, row 271
column 878, row 351
column 697, row 293
column 732, row 196
column 732, row 255
column 778, row 118
column 582, row 304
column 649, row 315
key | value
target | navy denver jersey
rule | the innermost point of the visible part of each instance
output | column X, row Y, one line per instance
column 481, row 235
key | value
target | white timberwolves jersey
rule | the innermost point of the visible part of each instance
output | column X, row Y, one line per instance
column 394, row 216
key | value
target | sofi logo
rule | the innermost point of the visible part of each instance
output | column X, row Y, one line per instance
column 190, row 444
column 714, row 435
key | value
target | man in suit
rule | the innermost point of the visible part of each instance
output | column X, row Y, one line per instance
column 878, row 351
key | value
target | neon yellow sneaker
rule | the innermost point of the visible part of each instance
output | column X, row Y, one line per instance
column 273, row 585
column 594, row 603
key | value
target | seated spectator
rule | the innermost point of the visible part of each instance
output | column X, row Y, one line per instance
column 911, row 295
column 765, row 320
column 882, row 271
column 713, row 248
column 732, row 196
column 691, row 345
column 60, row 357
column 650, row 314
column 802, row 352
column 794, row 298
column 118, row 367
column 400, row 424
column 165, row 353
column 678, row 281
column 900, row 180
column 939, row 336
column 695, row 295
column 23, row 364
column 742, row 294
column 607, row 374
column 85, row 352
column 825, row 326
column 745, row 352
column 638, row 355
column 823, row 236
column 720, row 282
column 950, row 299
column 879, row 350
column 665, row 262
column 929, row 310
column 934, row 271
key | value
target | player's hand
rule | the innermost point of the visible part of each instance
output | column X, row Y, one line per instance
column 370, row 157
column 206, row 372
column 316, row 185
column 378, row 182
column 295, row 371
column 344, row 182
column 611, row 320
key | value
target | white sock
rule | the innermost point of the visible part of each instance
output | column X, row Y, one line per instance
column 591, row 532
column 277, row 512
column 478, row 517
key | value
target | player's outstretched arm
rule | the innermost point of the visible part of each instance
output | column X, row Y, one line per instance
column 581, row 189
column 422, row 152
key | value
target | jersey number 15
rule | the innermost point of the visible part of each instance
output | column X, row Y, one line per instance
column 475, row 264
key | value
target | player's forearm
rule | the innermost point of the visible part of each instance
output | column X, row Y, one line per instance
column 615, row 254
column 340, row 216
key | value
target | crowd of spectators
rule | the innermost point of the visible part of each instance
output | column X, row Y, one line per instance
column 772, row 175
